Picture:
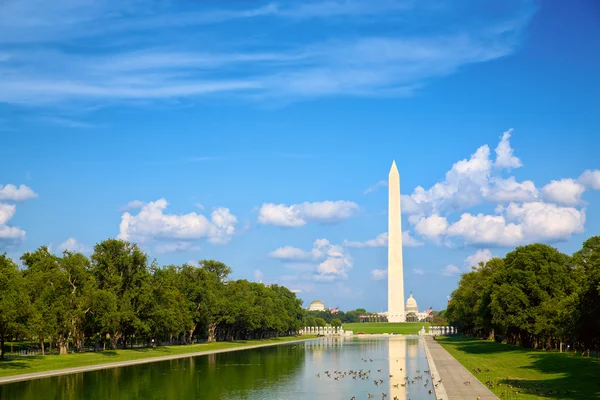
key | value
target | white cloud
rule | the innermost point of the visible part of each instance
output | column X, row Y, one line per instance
column 290, row 253
column 378, row 274
column 504, row 153
column 133, row 205
column 72, row 245
column 333, row 262
column 376, row 186
column 487, row 230
column 151, row 223
column 591, row 179
column 280, row 215
column 507, row 190
column 450, row 270
column 381, row 240
column 258, row 275
column 471, row 182
column 547, row 222
column 483, row 255
column 461, row 188
column 409, row 241
column 297, row 215
column 13, row 193
column 521, row 224
column 564, row 191
column 418, row 271
column 333, row 268
column 9, row 234
column 6, row 212
column 431, row 227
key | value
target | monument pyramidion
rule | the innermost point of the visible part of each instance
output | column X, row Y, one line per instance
column 396, row 312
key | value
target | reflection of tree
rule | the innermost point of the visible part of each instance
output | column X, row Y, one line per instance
column 233, row 374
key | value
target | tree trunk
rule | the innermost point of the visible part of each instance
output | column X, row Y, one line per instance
column 42, row 345
column 114, row 339
column 62, row 344
column 2, row 346
column 79, row 342
column 212, row 327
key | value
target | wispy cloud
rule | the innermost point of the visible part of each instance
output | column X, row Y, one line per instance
column 268, row 61
column 376, row 186
column 64, row 122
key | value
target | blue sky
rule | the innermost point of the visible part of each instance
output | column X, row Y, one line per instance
column 258, row 134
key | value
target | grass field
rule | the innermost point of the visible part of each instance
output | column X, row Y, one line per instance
column 30, row 364
column 386, row 327
column 517, row 373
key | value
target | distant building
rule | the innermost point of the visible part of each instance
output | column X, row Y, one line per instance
column 316, row 306
column 412, row 311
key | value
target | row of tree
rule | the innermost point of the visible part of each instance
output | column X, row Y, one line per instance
column 535, row 296
column 326, row 315
column 117, row 293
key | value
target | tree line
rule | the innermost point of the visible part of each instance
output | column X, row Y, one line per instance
column 117, row 294
column 535, row 296
column 324, row 317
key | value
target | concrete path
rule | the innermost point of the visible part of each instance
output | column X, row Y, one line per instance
column 66, row 371
column 454, row 376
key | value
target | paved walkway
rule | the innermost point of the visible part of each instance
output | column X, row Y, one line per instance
column 66, row 371
column 454, row 376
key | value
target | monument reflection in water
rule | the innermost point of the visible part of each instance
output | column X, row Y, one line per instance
column 282, row 372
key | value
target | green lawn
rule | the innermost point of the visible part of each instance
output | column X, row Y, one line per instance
column 517, row 373
column 31, row 364
column 404, row 328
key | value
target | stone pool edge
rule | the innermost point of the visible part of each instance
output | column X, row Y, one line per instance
column 440, row 390
column 97, row 367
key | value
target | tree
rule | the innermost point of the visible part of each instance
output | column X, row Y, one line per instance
column 336, row 323
column 586, row 312
column 13, row 301
column 217, row 268
column 320, row 322
column 439, row 318
column 169, row 315
column 49, row 293
column 523, row 293
column 121, row 272
column 82, row 286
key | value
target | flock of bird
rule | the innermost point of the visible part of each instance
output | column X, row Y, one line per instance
column 367, row 375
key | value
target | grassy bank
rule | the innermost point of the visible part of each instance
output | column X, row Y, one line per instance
column 405, row 328
column 518, row 373
column 31, row 364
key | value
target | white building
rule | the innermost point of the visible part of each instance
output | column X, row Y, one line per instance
column 412, row 310
column 316, row 306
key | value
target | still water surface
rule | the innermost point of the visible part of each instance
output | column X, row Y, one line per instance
column 286, row 371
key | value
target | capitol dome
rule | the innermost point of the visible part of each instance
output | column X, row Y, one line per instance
column 316, row 306
column 411, row 305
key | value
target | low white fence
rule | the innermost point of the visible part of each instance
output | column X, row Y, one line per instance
column 325, row 331
column 439, row 330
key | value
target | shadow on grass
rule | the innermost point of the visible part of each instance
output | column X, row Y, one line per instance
column 478, row 346
column 9, row 364
column 578, row 377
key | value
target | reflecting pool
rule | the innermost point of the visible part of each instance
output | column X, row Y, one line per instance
column 394, row 366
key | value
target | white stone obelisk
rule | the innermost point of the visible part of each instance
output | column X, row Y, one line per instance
column 395, row 267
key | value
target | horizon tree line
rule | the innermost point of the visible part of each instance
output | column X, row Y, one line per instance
column 117, row 294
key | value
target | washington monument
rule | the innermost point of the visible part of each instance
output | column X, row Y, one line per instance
column 395, row 268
